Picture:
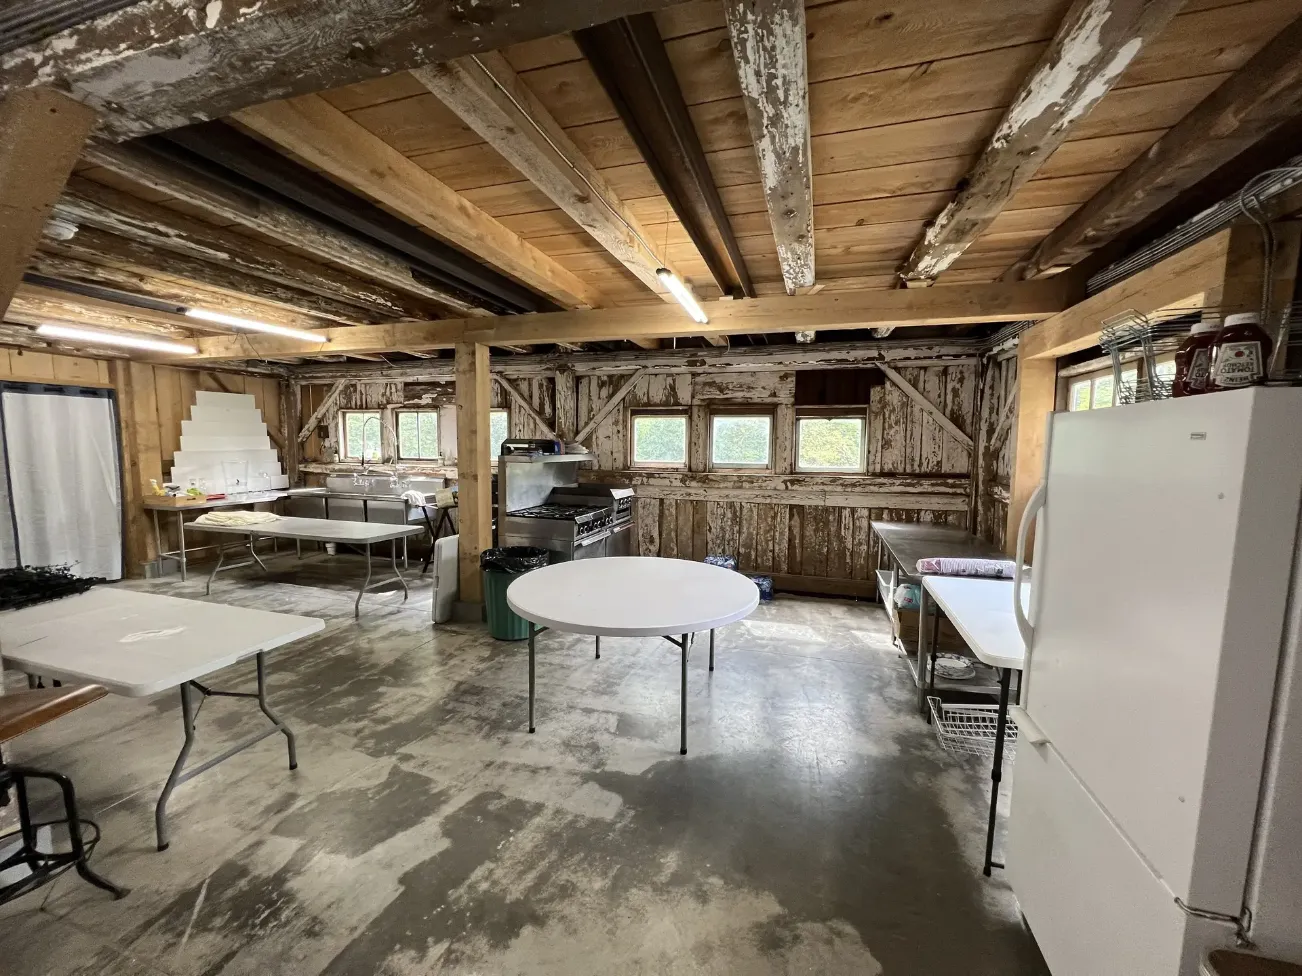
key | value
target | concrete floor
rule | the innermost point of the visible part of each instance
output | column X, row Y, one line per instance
column 815, row 827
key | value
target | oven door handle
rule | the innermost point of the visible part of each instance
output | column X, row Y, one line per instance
column 589, row 540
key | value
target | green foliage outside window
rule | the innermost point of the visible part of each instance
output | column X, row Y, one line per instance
column 497, row 430
column 418, row 435
column 361, row 430
column 740, row 441
column 830, row 444
column 659, row 439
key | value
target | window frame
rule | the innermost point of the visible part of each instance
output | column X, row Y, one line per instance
column 741, row 410
column 430, row 412
column 341, row 422
column 831, row 413
column 495, row 455
column 638, row 412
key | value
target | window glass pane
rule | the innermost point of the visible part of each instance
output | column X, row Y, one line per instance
column 1102, row 392
column 418, row 435
column 1078, row 397
column 737, row 441
column 408, row 435
column 829, row 443
column 361, row 435
column 659, row 439
column 496, row 432
column 1165, row 370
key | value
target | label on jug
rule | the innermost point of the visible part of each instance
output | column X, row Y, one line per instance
column 1199, row 370
column 1238, row 364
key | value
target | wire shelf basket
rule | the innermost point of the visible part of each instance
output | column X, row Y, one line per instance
column 1133, row 336
column 969, row 730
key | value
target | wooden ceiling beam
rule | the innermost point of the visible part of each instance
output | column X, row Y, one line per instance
column 281, row 223
column 1097, row 40
column 35, row 304
column 41, row 133
column 311, row 128
column 90, row 245
column 163, row 287
column 850, row 310
column 489, row 97
column 768, row 45
column 86, row 202
column 157, row 64
column 1261, row 96
column 633, row 67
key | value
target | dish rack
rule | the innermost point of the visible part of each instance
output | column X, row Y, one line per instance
column 1131, row 336
column 969, row 730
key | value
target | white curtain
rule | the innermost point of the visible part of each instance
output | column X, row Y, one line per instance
column 64, row 482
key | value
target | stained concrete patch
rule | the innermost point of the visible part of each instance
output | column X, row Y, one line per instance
column 815, row 826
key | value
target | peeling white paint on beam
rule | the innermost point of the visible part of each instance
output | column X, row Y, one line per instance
column 769, row 47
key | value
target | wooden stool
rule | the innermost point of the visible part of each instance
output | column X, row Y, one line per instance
column 19, row 713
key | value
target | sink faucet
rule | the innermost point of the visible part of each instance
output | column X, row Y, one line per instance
column 395, row 480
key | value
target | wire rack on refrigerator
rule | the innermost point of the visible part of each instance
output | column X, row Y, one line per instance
column 969, row 730
column 1133, row 336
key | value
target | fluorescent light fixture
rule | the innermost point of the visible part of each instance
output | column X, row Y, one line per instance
column 236, row 322
column 95, row 337
column 683, row 294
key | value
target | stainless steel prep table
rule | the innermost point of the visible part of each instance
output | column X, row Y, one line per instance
column 901, row 545
column 362, row 534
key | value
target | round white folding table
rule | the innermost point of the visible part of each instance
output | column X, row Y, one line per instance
column 632, row 596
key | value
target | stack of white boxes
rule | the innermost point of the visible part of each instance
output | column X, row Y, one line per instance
column 225, row 427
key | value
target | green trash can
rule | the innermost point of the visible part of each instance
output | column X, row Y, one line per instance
column 500, row 567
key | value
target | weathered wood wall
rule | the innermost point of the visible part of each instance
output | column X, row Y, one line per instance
column 810, row 531
column 996, row 442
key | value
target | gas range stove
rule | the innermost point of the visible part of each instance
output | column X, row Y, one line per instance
column 586, row 520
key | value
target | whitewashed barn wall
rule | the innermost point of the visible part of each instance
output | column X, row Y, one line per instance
column 810, row 531
column 996, row 442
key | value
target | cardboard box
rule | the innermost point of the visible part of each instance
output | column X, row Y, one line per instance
column 906, row 629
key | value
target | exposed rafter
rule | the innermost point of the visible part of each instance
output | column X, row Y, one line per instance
column 1096, row 42
column 1261, row 96
column 92, row 204
column 313, row 129
column 277, row 221
column 36, row 304
column 768, row 44
column 488, row 96
column 226, row 153
column 630, row 61
column 850, row 310
column 158, row 64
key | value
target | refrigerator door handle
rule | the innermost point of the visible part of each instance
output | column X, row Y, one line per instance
column 1027, row 730
column 1033, row 506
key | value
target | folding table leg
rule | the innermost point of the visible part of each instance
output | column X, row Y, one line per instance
column 180, row 541
column 160, row 810
column 996, row 772
column 598, row 648
column 533, row 634
column 711, row 650
column 357, row 606
column 682, row 717
column 266, row 710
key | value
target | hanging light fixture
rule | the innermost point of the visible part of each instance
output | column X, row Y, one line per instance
column 95, row 337
column 253, row 325
column 684, row 295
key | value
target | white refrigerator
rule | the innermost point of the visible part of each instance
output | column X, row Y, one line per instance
column 1157, row 795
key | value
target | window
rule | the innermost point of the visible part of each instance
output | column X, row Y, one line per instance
column 1097, row 390
column 741, row 440
column 498, row 424
column 828, row 442
column 418, row 435
column 359, row 435
column 659, row 440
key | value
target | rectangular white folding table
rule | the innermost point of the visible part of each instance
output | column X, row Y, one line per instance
column 140, row 644
column 300, row 530
column 981, row 610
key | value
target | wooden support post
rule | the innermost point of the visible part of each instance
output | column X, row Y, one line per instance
column 141, row 458
column 291, row 406
column 474, row 472
column 41, row 135
column 1037, row 389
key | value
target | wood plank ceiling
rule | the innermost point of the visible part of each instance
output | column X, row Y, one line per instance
column 902, row 99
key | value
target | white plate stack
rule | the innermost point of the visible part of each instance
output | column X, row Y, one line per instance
column 226, row 427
